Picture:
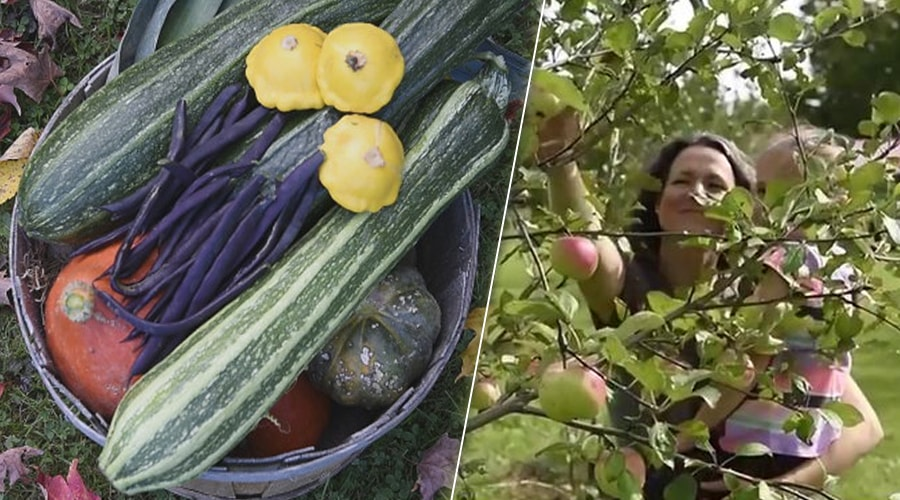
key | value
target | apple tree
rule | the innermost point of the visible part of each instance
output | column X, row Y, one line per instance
column 639, row 73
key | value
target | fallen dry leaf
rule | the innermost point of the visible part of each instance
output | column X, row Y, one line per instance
column 475, row 322
column 71, row 487
column 12, row 163
column 12, row 466
column 437, row 467
column 2, row 388
column 50, row 17
column 8, row 96
column 27, row 72
column 5, row 287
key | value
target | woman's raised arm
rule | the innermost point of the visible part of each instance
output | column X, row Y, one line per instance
column 567, row 192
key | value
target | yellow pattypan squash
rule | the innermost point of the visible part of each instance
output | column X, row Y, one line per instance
column 281, row 68
column 363, row 163
column 359, row 68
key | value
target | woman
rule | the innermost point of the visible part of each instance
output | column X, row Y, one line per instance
column 700, row 168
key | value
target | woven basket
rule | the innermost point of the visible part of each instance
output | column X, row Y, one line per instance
column 446, row 256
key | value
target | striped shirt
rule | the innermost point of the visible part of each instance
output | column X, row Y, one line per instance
column 807, row 378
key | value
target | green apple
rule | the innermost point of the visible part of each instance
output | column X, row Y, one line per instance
column 485, row 393
column 543, row 104
column 574, row 257
column 571, row 392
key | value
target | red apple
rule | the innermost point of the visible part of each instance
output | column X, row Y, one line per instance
column 484, row 394
column 571, row 392
column 574, row 257
column 620, row 472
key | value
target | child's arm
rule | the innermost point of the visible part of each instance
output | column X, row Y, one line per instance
column 852, row 445
column 771, row 287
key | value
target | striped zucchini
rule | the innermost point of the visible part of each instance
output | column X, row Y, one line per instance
column 191, row 409
column 110, row 144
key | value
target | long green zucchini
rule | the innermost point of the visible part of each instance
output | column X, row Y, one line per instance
column 109, row 145
column 192, row 408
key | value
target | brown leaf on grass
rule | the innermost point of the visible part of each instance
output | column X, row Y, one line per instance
column 8, row 96
column 71, row 487
column 50, row 17
column 27, row 72
column 2, row 388
column 475, row 322
column 12, row 467
column 12, row 163
column 437, row 467
column 5, row 288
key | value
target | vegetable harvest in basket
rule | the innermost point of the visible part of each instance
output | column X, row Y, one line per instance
column 251, row 266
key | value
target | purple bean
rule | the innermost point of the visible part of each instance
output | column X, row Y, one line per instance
column 297, row 221
column 186, row 294
column 100, row 241
column 224, row 138
column 215, row 109
column 237, row 110
column 266, row 138
column 237, row 247
column 129, row 205
column 179, row 125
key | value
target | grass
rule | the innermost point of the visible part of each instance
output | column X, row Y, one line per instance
column 386, row 469
column 506, row 454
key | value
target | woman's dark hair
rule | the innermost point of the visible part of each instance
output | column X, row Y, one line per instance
column 646, row 249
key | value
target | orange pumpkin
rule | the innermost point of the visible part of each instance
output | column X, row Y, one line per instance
column 296, row 421
column 84, row 337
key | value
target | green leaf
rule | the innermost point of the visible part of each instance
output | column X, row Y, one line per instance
column 802, row 424
column 661, row 303
column 695, row 429
column 846, row 326
column 720, row 5
column 752, row 450
column 621, row 36
column 709, row 394
column 867, row 128
column 848, row 413
column 785, row 27
column 615, row 351
column 573, row 9
column 648, row 375
column 185, row 17
column 855, row 7
column 559, row 86
column 865, row 177
column 886, row 108
column 854, row 38
column 640, row 321
column 737, row 204
column 679, row 40
column 565, row 303
column 733, row 40
column 683, row 486
column 699, row 24
column 826, row 18
column 893, row 228
column 540, row 310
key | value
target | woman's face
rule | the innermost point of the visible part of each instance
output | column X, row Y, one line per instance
column 698, row 173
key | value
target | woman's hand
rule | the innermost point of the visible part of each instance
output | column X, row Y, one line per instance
column 557, row 133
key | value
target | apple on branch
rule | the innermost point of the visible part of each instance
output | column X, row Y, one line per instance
column 621, row 473
column 574, row 257
column 571, row 392
column 485, row 393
